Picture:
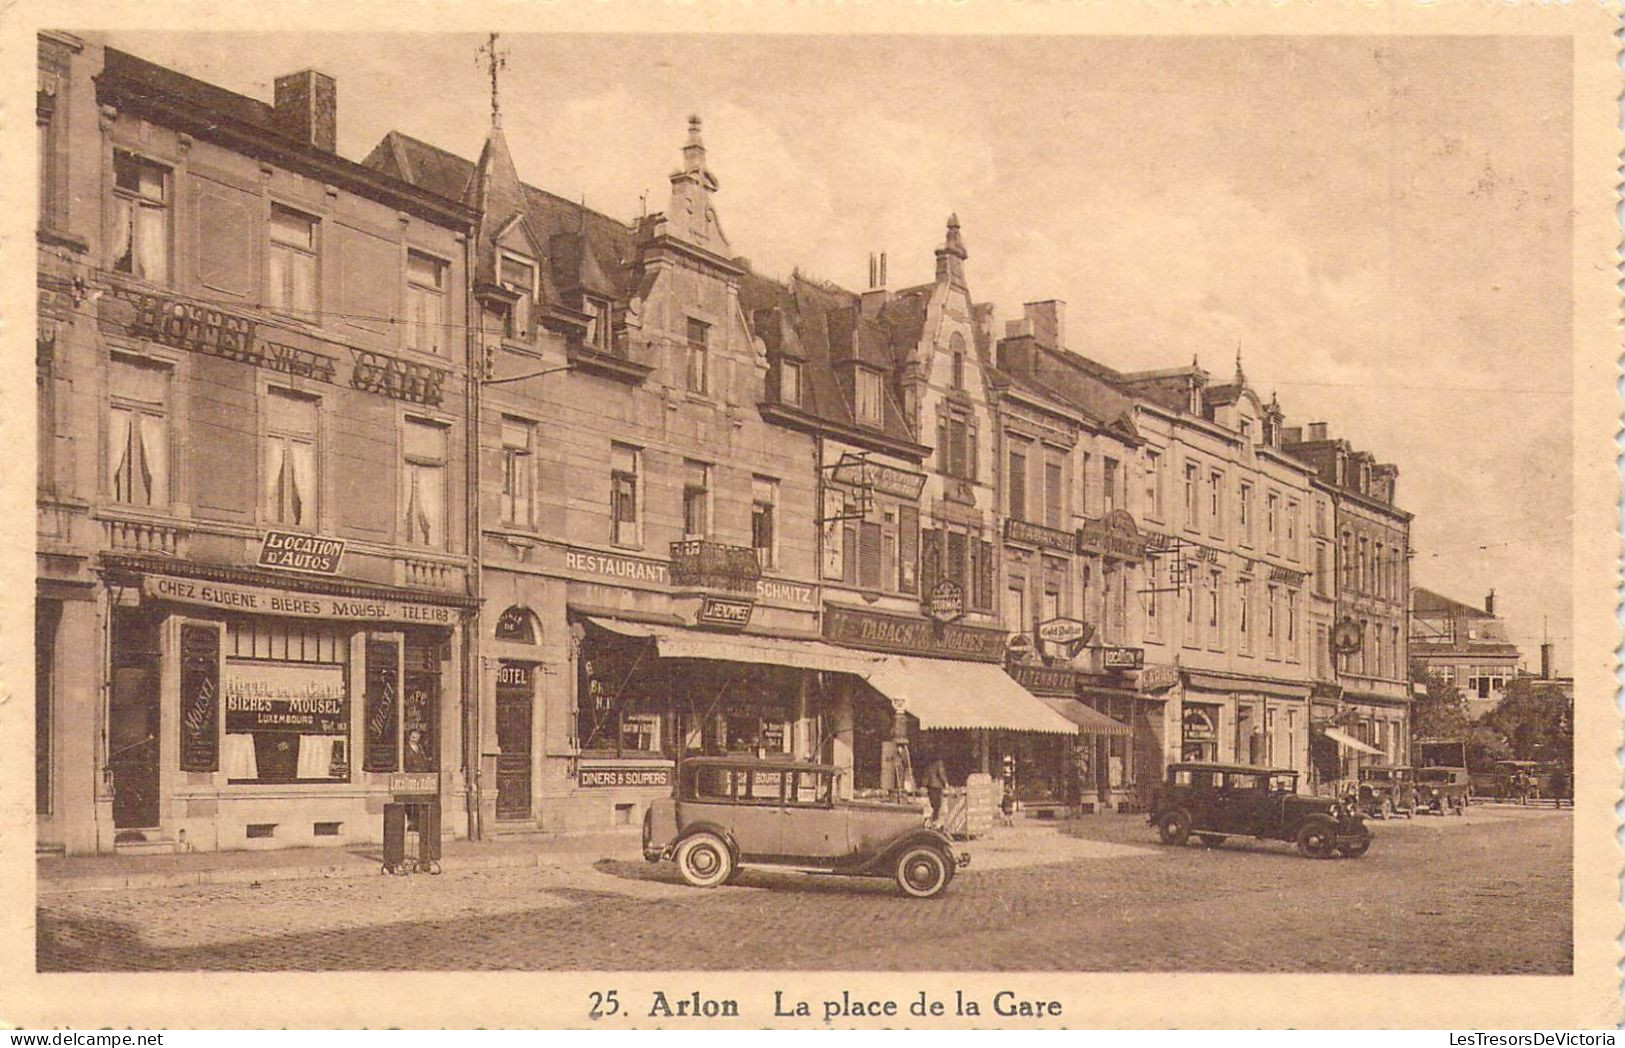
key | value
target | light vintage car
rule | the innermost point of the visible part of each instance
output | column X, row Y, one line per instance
column 1218, row 801
column 725, row 813
column 1387, row 791
column 1443, row 791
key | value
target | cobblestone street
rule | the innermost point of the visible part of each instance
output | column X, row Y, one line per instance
column 1488, row 893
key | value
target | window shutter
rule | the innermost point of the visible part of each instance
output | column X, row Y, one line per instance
column 984, row 576
column 908, row 549
column 849, row 553
column 869, row 556
column 930, row 559
column 972, row 456
column 954, row 559
column 942, row 444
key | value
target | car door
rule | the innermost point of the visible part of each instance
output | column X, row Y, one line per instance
column 758, row 812
column 1246, row 803
column 815, row 831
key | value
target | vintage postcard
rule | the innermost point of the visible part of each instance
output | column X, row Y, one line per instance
column 703, row 515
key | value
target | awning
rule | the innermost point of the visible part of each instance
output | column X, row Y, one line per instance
column 944, row 693
column 1349, row 741
column 676, row 643
column 1090, row 721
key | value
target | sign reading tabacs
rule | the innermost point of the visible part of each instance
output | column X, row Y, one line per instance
column 294, row 552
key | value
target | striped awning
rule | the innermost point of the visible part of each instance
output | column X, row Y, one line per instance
column 1350, row 742
column 944, row 693
column 1090, row 721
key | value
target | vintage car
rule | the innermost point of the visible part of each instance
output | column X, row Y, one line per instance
column 1216, row 801
column 725, row 813
column 1443, row 790
column 1385, row 792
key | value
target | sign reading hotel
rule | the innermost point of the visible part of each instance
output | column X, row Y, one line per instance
column 294, row 552
column 853, row 471
column 593, row 777
column 1113, row 535
column 253, row 600
column 901, row 635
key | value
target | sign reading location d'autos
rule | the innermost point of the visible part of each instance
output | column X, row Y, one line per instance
column 295, row 552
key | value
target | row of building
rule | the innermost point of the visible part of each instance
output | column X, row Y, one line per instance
column 405, row 478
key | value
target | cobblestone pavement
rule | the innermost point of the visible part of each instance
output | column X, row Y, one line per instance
column 1487, row 893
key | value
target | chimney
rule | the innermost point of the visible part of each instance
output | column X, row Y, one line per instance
column 1489, row 603
column 1022, row 328
column 1048, row 322
column 1317, row 431
column 1292, row 435
column 876, row 295
column 1546, row 660
column 306, row 108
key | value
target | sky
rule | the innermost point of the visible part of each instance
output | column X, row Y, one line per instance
column 1382, row 226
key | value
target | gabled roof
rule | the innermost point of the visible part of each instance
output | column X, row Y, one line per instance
column 1427, row 602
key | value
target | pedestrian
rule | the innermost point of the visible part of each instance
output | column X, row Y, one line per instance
column 1560, row 786
column 936, row 780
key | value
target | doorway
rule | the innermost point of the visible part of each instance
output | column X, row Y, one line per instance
column 516, row 703
column 133, row 721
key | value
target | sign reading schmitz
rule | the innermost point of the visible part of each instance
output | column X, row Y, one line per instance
column 598, row 777
column 1030, row 534
column 253, row 600
column 946, row 601
column 901, row 635
column 779, row 591
column 724, row 613
column 1112, row 535
column 295, row 552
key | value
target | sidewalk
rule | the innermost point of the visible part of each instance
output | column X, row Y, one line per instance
column 76, row 873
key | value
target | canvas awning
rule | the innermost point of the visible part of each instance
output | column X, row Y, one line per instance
column 944, row 693
column 1089, row 721
column 673, row 642
column 1350, row 742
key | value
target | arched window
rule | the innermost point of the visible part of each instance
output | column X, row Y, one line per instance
column 516, row 625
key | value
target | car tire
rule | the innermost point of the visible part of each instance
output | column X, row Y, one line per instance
column 704, row 860
column 1175, row 827
column 923, row 871
column 1387, row 809
column 1355, row 849
column 1211, row 840
column 1317, row 839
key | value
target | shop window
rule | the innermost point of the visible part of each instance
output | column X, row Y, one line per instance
column 620, row 699
column 696, row 500
column 423, row 446
column 425, row 302
column 869, row 392
column 141, row 217
column 518, row 471
column 138, row 432
column 698, row 367
column 624, row 496
column 291, row 460
column 291, row 270
column 287, row 703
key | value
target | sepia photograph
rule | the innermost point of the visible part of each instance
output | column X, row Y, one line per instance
column 974, row 502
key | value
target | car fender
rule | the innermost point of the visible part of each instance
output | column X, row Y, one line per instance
column 886, row 857
column 715, row 829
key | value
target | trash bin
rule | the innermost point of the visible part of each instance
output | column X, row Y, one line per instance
column 416, row 816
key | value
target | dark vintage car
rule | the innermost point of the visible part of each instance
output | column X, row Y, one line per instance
column 1443, row 791
column 1386, row 792
column 725, row 813
column 1215, row 801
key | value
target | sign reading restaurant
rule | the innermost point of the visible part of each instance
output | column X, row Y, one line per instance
column 254, row 600
column 295, row 552
column 902, row 635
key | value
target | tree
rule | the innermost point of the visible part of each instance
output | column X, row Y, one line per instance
column 1441, row 712
column 1534, row 721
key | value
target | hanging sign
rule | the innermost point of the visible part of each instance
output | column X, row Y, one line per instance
column 946, row 601
column 1346, row 637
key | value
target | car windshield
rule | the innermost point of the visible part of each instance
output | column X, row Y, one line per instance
column 1437, row 776
column 1284, row 783
column 1378, row 774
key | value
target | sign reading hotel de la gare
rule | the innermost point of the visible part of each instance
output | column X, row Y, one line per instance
column 254, row 600
column 902, row 635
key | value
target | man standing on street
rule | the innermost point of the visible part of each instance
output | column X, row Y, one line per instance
column 936, row 780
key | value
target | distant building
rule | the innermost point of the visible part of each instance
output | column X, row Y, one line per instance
column 1466, row 645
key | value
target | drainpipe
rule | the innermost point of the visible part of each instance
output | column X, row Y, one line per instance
column 474, row 367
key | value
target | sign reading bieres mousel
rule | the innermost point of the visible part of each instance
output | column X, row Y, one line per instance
column 227, row 596
column 292, row 551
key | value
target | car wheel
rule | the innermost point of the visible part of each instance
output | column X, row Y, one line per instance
column 1355, row 849
column 1387, row 809
column 1317, row 839
column 1175, row 827
column 923, row 872
column 704, row 860
column 1211, row 840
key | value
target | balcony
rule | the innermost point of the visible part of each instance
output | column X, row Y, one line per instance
column 143, row 536
column 699, row 562
column 429, row 574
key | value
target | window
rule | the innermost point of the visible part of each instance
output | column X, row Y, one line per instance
column 291, row 271
column 1243, row 615
column 1015, row 606
column 699, row 356
column 1191, row 508
column 290, row 459
column 908, row 549
column 764, row 535
column 425, row 303
column 1292, row 530
column 423, row 446
column 1018, row 480
column 1108, row 485
column 1244, row 510
column 1363, row 570
column 1322, row 573
column 1348, row 561
column 1153, row 484
column 1215, row 501
column 518, row 471
column 598, row 334
column 287, row 702
column 696, row 499
column 138, row 433
column 518, row 275
column 1054, row 489
column 790, row 382
column 1215, row 586
column 1247, row 430
column 1320, row 517
column 868, row 395
column 623, row 496
column 1270, row 613
column 1271, row 522
column 140, row 217
column 869, row 555
column 958, row 362
column 957, row 443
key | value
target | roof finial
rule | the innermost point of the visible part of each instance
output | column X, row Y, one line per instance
column 494, row 61
column 1241, row 378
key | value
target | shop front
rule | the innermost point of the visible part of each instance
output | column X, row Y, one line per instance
column 251, row 711
column 1245, row 720
column 1098, row 774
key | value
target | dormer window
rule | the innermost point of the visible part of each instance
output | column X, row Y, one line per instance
column 867, row 392
column 598, row 323
column 519, row 276
column 1247, row 430
column 790, row 383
